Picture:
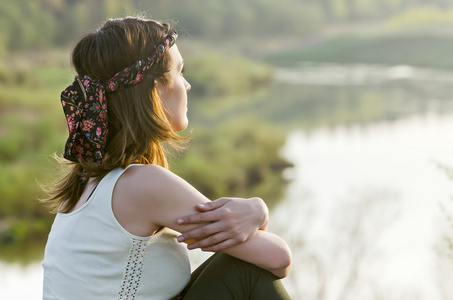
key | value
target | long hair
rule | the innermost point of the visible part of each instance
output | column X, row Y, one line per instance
column 138, row 125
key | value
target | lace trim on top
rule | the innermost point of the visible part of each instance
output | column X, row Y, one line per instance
column 133, row 272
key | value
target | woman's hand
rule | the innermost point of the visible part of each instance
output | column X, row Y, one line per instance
column 231, row 221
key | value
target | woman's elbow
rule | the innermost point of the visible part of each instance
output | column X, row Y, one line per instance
column 281, row 272
column 281, row 266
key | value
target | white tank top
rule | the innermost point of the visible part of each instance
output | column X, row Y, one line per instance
column 89, row 255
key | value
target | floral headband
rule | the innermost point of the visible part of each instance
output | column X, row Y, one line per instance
column 85, row 106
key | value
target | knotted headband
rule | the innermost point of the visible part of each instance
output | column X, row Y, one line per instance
column 85, row 106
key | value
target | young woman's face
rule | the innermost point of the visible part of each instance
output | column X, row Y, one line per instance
column 174, row 94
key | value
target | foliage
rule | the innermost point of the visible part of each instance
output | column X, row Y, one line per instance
column 46, row 23
column 235, row 18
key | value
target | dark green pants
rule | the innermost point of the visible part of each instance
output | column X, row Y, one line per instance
column 223, row 277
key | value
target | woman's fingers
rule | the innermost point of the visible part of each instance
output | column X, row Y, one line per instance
column 200, row 233
column 212, row 205
column 210, row 241
column 198, row 218
column 212, row 235
column 215, row 242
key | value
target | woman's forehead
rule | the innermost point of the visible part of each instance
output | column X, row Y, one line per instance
column 175, row 55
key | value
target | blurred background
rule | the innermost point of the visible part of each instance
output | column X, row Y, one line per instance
column 338, row 113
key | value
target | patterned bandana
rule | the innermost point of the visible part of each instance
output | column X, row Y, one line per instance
column 85, row 106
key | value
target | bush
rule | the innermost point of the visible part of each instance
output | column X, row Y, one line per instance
column 216, row 74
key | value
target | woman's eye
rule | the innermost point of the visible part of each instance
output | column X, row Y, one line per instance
column 182, row 71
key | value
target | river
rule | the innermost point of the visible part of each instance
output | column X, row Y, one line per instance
column 365, row 209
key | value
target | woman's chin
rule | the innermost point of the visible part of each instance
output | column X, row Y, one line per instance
column 180, row 126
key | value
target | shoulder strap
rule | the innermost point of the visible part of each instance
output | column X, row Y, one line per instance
column 103, row 193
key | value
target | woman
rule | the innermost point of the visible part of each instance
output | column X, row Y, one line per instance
column 119, row 206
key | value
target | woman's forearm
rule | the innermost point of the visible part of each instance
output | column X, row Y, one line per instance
column 265, row 250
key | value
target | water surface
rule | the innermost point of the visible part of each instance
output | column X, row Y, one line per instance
column 364, row 209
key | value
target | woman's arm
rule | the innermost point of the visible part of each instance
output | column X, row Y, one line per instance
column 157, row 197
column 232, row 221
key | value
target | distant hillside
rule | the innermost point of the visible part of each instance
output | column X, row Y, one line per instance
column 429, row 49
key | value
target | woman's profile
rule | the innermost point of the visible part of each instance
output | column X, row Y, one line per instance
column 119, row 209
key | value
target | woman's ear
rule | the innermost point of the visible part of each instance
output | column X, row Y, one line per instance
column 158, row 86
column 162, row 88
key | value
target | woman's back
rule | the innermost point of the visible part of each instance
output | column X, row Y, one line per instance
column 89, row 255
column 129, row 98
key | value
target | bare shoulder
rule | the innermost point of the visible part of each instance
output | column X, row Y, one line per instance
column 153, row 182
column 157, row 192
column 146, row 171
column 146, row 178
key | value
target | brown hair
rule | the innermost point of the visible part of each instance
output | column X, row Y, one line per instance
column 138, row 126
